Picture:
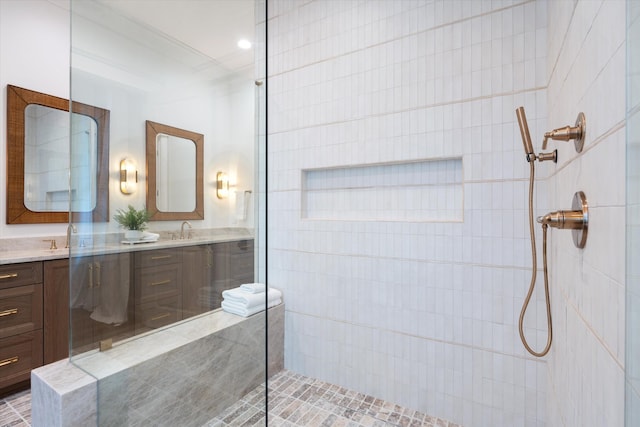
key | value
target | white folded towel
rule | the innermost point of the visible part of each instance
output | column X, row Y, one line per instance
column 241, row 310
column 253, row 288
column 249, row 300
column 150, row 236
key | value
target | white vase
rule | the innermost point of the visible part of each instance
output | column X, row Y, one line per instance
column 133, row 235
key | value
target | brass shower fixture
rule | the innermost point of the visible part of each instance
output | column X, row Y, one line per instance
column 526, row 141
column 576, row 220
column 567, row 133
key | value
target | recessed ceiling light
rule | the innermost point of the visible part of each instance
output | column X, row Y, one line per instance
column 244, row 44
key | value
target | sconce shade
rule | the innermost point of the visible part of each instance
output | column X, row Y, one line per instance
column 128, row 177
column 222, row 185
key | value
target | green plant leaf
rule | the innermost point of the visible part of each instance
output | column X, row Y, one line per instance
column 131, row 218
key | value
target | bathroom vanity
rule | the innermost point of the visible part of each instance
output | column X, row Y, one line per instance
column 115, row 293
column 21, row 322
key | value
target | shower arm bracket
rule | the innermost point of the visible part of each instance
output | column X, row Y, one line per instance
column 543, row 157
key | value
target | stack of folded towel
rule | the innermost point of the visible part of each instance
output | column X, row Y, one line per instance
column 249, row 299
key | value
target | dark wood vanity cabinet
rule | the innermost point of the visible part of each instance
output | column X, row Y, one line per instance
column 233, row 264
column 56, row 310
column 97, row 306
column 20, row 323
column 211, row 269
column 158, row 288
column 46, row 304
column 198, row 293
column 175, row 284
column 100, row 300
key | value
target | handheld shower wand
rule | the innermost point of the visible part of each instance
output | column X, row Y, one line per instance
column 531, row 157
column 526, row 141
column 524, row 132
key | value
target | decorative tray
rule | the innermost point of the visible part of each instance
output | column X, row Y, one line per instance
column 135, row 242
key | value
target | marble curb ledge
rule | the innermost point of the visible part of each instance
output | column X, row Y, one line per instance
column 63, row 395
column 188, row 384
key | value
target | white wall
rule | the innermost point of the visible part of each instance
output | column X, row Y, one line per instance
column 423, row 314
column 34, row 54
column 34, row 51
column 586, row 69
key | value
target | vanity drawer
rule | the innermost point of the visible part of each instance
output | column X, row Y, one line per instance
column 153, row 283
column 158, row 257
column 20, row 310
column 27, row 273
column 18, row 356
column 158, row 313
column 237, row 247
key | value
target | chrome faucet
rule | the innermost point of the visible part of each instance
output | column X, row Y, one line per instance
column 70, row 228
column 182, row 228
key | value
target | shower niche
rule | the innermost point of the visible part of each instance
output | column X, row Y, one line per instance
column 428, row 190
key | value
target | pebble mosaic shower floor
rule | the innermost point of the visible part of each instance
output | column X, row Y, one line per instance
column 15, row 410
column 294, row 401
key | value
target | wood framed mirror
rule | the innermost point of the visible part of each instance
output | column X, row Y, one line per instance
column 174, row 173
column 43, row 145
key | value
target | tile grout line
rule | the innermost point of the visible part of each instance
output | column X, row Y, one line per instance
column 15, row 411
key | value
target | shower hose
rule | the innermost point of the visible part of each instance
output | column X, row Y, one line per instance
column 534, row 269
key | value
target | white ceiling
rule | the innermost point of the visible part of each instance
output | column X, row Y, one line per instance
column 211, row 27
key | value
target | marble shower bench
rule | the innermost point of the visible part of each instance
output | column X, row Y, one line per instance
column 185, row 374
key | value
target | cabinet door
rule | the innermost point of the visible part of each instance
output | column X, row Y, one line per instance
column 198, row 293
column 19, row 354
column 81, row 304
column 12, row 275
column 241, row 262
column 56, row 310
column 113, row 316
column 233, row 264
column 101, row 300
column 20, row 309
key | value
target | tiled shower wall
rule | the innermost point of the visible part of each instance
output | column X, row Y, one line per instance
column 586, row 66
column 632, row 366
column 421, row 313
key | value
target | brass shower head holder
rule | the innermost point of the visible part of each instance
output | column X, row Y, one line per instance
column 567, row 133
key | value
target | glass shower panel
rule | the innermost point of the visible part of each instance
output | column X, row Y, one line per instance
column 632, row 404
column 145, row 311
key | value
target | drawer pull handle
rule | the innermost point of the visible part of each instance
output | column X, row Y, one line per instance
column 161, row 257
column 162, row 316
column 98, row 274
column 8, row 361
column 9, row 276
column 8, row 312
column 162, row 282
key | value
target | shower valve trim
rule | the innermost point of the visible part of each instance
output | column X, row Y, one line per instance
column 576, row 220
column 576, row 132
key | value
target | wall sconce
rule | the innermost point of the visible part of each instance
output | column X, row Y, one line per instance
column 128, row 176
column 222, row 185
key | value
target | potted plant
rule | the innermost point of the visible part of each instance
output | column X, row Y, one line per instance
column 134, row 221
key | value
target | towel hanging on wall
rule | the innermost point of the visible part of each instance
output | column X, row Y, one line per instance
column 242, row 202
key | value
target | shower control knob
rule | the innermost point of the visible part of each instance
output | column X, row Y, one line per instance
column 576, row 219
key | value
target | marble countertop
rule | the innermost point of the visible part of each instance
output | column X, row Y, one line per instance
column 13, row 251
